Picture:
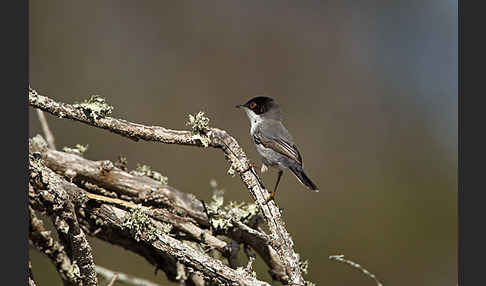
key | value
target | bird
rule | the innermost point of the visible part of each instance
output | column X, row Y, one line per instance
column 273, row 141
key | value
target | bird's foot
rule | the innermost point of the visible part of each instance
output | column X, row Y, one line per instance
column 270, row 198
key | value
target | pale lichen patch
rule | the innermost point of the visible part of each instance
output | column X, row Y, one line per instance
column 223, row 216
column 78, row 149
column 199, row 124
column 39, row 142
column 145, row 170
column 304, row 266
column 231, row 171
column 95, row 107
column 140, row 225
column 74, row 270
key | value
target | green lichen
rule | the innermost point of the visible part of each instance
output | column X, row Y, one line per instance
column 231, row 171
column 78, row 149
column 39, row 142
column 304, row 266
column 199, row 124
column 95, row 107
column 121, row 163
column 144, row 170
column 140, row 225
column 74, row 270
column 166, row 227
column 223, row 216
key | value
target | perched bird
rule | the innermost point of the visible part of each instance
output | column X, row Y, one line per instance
column 273, row 141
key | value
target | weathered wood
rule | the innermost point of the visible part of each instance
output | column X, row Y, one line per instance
column 214, row 138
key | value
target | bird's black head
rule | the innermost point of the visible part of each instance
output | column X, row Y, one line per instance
column 260, row 104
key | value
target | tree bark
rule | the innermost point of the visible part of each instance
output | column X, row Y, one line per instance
column 108, row 193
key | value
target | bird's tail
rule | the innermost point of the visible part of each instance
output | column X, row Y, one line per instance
column 299, row 173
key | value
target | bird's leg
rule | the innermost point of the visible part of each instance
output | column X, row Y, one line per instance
column 252, row 164
column 264, row 168
column 272, row 194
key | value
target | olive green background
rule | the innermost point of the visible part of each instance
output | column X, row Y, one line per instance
column 368, row 90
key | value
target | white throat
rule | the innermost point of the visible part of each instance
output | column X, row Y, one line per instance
column 255, row 120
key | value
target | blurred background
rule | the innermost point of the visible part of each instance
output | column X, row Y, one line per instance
column 368, row 90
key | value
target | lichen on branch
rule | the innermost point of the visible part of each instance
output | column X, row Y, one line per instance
column 199, row 124
column 95, row 107
column 224, row 216
column 205, row 137
column 140, row 224
column 78, row 149
column 145, row 170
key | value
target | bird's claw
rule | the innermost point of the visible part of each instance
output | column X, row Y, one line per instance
column 270, row 198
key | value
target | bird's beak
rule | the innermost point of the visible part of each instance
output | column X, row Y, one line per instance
column 239, row 105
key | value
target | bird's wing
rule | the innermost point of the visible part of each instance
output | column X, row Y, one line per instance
column 275, row 136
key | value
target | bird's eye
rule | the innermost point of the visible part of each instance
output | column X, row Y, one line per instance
column 252, row 105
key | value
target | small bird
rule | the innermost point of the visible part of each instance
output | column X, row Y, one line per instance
column 273, row 141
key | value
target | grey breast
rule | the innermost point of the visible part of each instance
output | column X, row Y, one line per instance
column 272, row 130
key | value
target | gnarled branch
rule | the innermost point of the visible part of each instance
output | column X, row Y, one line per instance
column 149, row 192
column 216, row 138
column 49, row 188
column 42, row 240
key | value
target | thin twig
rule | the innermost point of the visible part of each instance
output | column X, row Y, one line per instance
column 128, row 279
column 45, row 128
column 112, row 281
column 218, row 139
column 353, row 264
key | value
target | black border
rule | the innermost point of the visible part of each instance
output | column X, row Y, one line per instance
column 15, row 52
column 471, row 171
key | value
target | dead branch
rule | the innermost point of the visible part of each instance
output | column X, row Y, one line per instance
column 153, row 243
column 50, row 196
column 152, row 193
column 45, row 128
column 165, row 202
column 340, row 258
column 216, row 138
column 41, row 239
column 161, row 198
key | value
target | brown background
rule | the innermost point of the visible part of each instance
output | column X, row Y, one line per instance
column 368, row 90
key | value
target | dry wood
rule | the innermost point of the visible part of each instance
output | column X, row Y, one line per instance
column 49, row 189
column 50, row 195
column 282, row 241
column 42, row 240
